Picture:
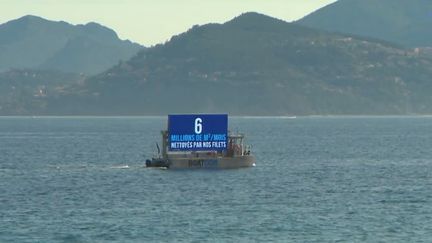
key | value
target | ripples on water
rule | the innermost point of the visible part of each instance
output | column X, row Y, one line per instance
column 316, row 180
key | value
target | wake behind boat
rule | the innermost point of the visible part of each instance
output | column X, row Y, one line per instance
column 201, row 141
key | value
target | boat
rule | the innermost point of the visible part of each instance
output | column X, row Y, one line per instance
column 201, row 141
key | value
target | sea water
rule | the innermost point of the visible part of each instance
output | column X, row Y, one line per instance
column 317, row 179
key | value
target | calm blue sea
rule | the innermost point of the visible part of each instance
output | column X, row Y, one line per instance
column 317, row 180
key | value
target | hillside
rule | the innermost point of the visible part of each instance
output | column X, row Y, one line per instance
column 258, row 65
column 37, row 43
column 407, row 22
column 26, row 92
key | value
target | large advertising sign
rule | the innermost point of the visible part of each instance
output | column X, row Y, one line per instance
column 198, row 132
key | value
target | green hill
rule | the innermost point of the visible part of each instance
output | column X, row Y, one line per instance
column 258, row 65
column 36, row 43
column 407, row 22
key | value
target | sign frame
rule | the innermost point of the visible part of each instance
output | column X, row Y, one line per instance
column 197, row 132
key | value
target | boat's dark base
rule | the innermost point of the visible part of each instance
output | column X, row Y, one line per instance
column 160, row 163
column 209, row 163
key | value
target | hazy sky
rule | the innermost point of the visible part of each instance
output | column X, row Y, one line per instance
column 150, row 22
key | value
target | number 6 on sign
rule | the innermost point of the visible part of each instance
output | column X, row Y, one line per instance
column 198, row 125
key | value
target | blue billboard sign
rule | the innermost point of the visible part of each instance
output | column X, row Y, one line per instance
column 208, row 132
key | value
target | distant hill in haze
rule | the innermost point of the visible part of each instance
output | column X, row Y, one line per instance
column 25, row 91
column 407, row 22
column 37, row 43
column 258, row 65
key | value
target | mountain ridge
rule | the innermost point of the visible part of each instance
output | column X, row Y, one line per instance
column 31, row 41
column 251, row 65
column 405, row 22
